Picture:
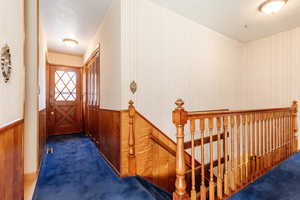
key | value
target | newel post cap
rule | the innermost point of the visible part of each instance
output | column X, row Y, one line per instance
column 295, row 106
column 179, row 114
column 131, row 108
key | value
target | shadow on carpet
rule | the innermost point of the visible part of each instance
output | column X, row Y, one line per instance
column 76, row 171
column 281, row 183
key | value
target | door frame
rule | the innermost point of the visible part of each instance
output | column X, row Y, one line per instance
column 48, row 106
column 94, row 55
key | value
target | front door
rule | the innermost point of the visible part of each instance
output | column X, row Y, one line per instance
column 64, row 100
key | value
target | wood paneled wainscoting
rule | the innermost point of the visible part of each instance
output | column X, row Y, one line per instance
column 11, row 161
column 104, row 130
column 153, row 155
column 152, row 152
column 42, row 134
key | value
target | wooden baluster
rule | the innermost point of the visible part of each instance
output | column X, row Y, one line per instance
column 261, row 153
column 277, row 137
column 131, row 141
column 226, row 180
column 268, row 140
column 192, row 129
column 281, row 136
column 219, row 181
column 250, row 153
column 295, row 126
column 290, row 132
column 253, row 155
column 232, row 158
column 179, row 120
column 211, row 148
column 238, row 166
column 244, row 154
column 273, row 138
column 265, row 142
column 202, row 187
column 285, row 134
column 257, row 160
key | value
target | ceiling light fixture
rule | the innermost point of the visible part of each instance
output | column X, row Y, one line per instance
column 272, row 6
column 70, row 42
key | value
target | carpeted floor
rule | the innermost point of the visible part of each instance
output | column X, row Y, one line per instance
column 76, row 171
column 281, row 183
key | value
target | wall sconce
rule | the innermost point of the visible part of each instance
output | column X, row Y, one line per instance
column 133, row 87
column 5, row 61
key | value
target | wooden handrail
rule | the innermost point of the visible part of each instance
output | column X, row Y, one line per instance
column 201, row 115
column 256, row 141
column 210, row 111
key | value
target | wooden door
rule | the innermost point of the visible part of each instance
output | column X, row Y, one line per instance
column 64, row 109
column 92, row 103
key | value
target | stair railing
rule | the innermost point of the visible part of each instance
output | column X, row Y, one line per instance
column 237, row 147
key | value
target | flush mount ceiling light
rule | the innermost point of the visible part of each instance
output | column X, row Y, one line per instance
column 70, row 42
column 272, row 6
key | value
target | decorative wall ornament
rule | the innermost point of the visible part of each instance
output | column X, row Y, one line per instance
column 133, row 87
column 5, row 62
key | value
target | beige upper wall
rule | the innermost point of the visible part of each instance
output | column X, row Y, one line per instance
column 270, row 72
column 108, row 37
column 170, row 57
column 12, row 33
column 42, row 66
column 57, row 58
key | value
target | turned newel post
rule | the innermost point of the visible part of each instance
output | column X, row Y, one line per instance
column 179, row 120
column 295, row 126
column 131, row 141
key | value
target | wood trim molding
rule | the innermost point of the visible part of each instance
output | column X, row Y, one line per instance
column 30, row 176
column 95, row 53
column 12, row 153
column 109, row 110
column 11, row 125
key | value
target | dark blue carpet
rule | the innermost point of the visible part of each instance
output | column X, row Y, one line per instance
column 281, row 183
column 76, row 171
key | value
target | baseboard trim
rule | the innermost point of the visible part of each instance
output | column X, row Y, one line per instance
column 30, row 176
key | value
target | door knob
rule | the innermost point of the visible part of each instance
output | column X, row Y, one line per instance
column 52, row 113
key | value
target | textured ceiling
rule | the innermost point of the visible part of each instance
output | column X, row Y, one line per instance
column 78, row 19
column 229, row 17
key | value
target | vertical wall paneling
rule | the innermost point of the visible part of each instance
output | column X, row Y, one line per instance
column 270, row 71
column 102, row 125
column 42, row 134
column 11, row 161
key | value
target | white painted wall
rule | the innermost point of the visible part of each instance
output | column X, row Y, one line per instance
column 42, row 65
column 57, row 58
column 270, row 72
column 108, row 37
column 12, row 33
column 170, row 57
column 32, row 82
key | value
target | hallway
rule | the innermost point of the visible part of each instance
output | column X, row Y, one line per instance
column 76, row 171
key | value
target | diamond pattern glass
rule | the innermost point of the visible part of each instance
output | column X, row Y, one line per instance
column 65, row 86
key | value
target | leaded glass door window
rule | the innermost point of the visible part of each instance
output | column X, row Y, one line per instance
column 65, row 86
